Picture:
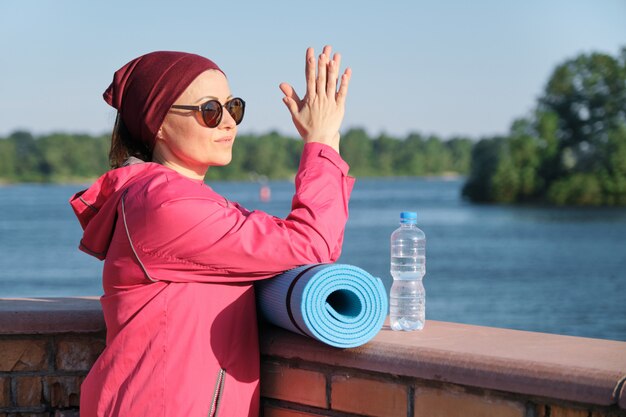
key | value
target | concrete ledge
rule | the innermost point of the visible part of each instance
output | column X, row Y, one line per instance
column 520, row 365
column 50, row 315
column 583, row 370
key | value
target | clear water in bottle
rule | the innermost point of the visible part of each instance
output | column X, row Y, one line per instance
column 407, row 298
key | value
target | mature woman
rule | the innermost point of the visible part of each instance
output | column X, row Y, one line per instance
column 179, row 259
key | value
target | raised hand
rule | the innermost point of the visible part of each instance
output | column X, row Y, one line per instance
column 318, row 115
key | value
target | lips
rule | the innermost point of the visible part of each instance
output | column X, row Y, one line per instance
column 227, row 139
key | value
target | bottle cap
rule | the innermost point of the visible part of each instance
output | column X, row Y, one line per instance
column 408, row 217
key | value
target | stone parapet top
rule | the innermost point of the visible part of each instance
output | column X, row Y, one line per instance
column 539, row 364
column 583, row 370
column 50, row 315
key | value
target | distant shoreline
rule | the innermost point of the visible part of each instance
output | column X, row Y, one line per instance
column 446, row 176
column 5, row 183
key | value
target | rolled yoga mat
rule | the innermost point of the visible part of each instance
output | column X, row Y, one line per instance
column 340, row 305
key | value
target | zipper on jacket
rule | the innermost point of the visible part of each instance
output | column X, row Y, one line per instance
column 217, row 392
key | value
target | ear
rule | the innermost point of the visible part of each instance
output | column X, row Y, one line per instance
column 159, row 134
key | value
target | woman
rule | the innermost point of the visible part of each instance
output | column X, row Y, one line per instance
column 180, row 259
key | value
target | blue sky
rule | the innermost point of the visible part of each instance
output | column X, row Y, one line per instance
column 441, row 67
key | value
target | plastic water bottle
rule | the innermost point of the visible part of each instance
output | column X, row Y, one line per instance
column 407, row 303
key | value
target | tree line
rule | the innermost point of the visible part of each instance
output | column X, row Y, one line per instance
column 62, row 157
column 570, row 151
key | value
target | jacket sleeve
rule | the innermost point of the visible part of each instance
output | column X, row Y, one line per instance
column 203, row 237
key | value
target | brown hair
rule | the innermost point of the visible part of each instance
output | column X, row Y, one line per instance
column 123, row 145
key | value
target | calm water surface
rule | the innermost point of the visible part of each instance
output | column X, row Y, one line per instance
column 532, row 268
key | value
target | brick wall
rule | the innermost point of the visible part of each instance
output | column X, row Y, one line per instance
column 47, row 348
column 40, row 375
column 302, row 389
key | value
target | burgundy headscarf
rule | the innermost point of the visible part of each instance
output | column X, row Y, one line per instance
column 144, row 89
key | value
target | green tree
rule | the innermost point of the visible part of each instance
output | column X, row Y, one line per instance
column 411, row 160
column 71, row 157
column 28, row 162
column 7, row 160
column 384, row 153
column 571, row 150
column 357, row 149
column 588, row 95
column 486, row 155
column 268, row 155
column 460, row 150
column 578, row 189
column 436, row 156
column 613, row 176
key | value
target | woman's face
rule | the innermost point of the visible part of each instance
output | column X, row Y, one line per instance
column 184, row 143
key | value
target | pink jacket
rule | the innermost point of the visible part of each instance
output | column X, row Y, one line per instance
column 178, row 298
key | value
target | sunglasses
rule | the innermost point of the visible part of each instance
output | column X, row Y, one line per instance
column 212, row 110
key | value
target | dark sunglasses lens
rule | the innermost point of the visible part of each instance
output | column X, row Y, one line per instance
column 236, row 108
column 212, row 113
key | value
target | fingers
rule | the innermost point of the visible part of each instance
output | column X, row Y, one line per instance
column 343, row 87
column 321, row 78
column 327, row 51
column 333, row 73
column 322, row 68
column 318, row 115
column 309, row 72
column 291, row 98
column 288, row 91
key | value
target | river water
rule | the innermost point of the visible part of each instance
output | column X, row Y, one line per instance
column 555, row 270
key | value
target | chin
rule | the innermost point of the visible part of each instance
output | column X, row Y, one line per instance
column 222, row 161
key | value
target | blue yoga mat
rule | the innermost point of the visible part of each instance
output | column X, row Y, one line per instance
column 340, row 305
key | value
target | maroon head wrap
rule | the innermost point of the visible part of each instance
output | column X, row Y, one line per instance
column 144, row 89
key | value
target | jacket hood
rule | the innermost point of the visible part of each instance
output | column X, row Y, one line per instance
column 96, row 207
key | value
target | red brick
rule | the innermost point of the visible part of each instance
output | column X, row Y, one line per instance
column 558, row 411
column 5, row 391
column 78, row 353
column 271, row 411
column 543, row 410
column 29, row 391
column 64, row 391
column 430, row 402
column 23, row 355
column 291, row 384
column 368, row 397
column 67, row 413
column 42, row 414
